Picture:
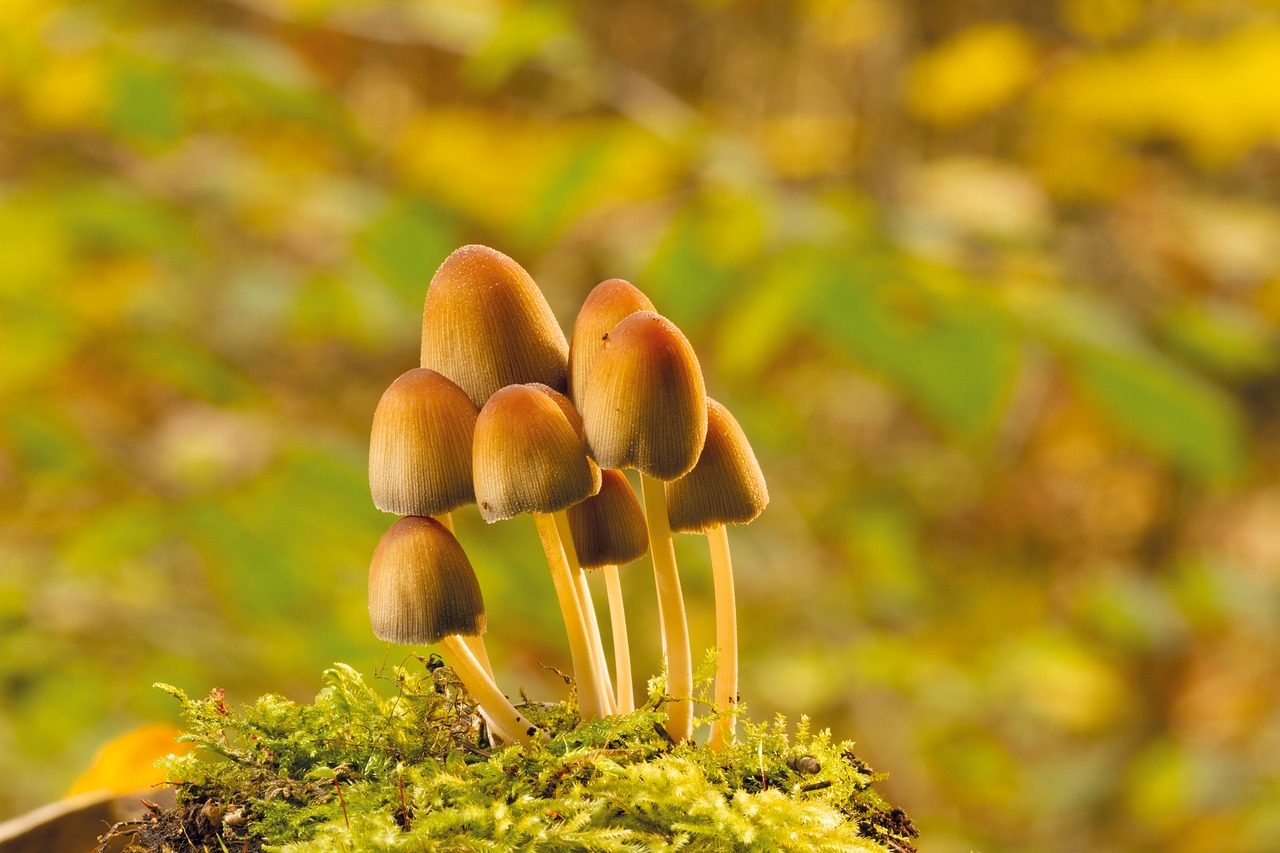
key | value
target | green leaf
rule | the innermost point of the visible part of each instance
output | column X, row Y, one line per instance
column 1165, row 409
column 146, row 105
column 405, row 244
column 947, row 352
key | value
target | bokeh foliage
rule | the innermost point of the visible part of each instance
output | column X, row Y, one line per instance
column 994, row 288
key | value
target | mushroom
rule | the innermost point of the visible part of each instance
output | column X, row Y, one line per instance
column 605, row 306
column 645, row 407
column 420, row 453
column 486, row 325
column 420, row 446
column 422, row 589
column 529, row 457
column 725, row 487
column 609, row 531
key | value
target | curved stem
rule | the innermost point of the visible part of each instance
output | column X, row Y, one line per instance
column 509, row 723
column 675, row 626
column 589, row 704
column 726, row 696
column 621, row 645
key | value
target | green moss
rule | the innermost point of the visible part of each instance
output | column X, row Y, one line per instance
column 408, row 768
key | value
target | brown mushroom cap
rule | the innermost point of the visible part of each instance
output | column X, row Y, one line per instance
column 605, row 306
column 645, row 402
column 529, row 455
column 420, row 446
column 608, row 527
column 725, row 487
column 421, row 585
column 486, row 325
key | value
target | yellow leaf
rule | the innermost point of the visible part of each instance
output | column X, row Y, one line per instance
column 126, row 764
column 69, row 92
column 970, row 74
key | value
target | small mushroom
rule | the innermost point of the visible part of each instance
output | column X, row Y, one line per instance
column 486, row 325
column 725, row 487
column 645, row 407
column 420, row 453
column 422, row 590
column 529, row 456
column 609, row 531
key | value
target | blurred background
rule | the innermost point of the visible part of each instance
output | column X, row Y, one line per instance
column 992, row 285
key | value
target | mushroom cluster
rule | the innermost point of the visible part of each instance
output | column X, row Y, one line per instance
column 504, row 412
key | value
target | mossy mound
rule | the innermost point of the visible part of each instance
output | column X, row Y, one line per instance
column 358, row 770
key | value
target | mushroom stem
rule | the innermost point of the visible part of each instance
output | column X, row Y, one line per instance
column 589, row 704
column 474, row 643
column 599, row 666
column 597, row 645
column 509, row 723
column 726, row 695
column 626, row 701
column 675, row 626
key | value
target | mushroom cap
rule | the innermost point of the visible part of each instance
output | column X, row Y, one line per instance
column 421, row 585
column 420, row 445
column 645, row 401
column 605, row 306
column 486, row 325
column 529, row 455
column 608, row 528
column 725, row 487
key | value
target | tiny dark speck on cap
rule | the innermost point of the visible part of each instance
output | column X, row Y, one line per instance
column 531, row 731
column 605, row 336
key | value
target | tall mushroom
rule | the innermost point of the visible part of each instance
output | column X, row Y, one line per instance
column 609, row 531
column 645, row 407
column 422, row 589
column 725, row 487
column 529, row 457
column 486, row 325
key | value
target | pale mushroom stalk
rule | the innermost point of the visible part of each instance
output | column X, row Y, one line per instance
column 507, row 722
column 725, row 487
column 475, row 644
column 675, row 626
column 626, row 701
column 590, row 701
column 726, row 693
column 599, row 666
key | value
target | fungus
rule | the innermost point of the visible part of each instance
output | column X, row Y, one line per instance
column 420, row 446
column 422, row 590
column 420, row 453
column 486, row 325
column 725, row 487
column 529, row 456
column 609, row 531
column 645, row 407
column 605, row 306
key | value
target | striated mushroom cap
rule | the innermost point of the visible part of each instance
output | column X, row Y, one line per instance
column 420, row 446
column 421, row 585
column 645, row 401
column 725, row 487
column 608, row 528
column 486, row 325
column 605, row 306
column 529, row 455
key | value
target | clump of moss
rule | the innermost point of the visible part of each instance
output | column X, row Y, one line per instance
column 410, row 768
